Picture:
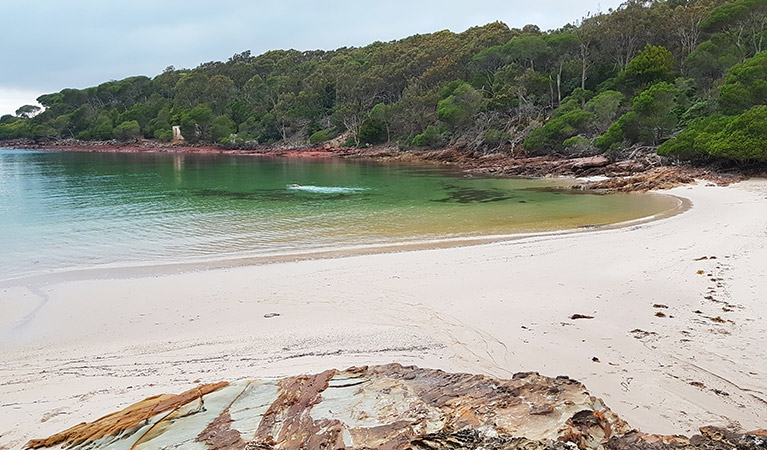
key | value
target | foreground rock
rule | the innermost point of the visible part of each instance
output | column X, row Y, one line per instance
column 391, row 407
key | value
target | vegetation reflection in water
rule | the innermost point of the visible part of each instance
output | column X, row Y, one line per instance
column 62, row 210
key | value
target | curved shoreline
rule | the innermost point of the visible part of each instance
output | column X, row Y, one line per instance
column 138, row 269
column 493, row 309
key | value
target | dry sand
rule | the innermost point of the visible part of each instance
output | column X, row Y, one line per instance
column 74, row 348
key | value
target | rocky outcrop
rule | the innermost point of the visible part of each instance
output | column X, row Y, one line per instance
column 387, row 407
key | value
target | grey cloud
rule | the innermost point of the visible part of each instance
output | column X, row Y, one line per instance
column 52, row 44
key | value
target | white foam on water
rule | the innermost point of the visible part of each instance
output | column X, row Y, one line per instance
column 326, row 189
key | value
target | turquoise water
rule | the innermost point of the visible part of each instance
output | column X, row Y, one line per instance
column 67, row 210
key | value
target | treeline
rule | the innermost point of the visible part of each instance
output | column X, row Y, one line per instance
column 689, row 76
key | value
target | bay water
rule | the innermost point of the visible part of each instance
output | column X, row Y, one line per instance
column 72, row 210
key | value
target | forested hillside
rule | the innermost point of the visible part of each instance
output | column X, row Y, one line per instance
column 687, row 76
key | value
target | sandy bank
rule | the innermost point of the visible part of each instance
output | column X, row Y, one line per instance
column 73, row 349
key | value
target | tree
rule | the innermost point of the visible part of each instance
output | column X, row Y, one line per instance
column 221, row 128
column 460, row 106
column 652, row 64
column 28, row 111
column 190, row 89
column 196, row 124
column 605, row 108
column 219, row 91
column 528, row 51
column 711, row 59
column 745, row 21
column 653, row 116
column 552, row 135
column 566, row 46
column 484, row 65
column 745, row 85
column 623, row 32
column 127, row 131
column 686, row 22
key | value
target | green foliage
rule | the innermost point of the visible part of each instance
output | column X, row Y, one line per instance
column 577, row 144
column 568, row 105
column 552, row 135
column 605, row 108
column 711, row 59
column 745, row 85
column 624, row 130
column 8, row 118
column 163, row 135
column 318, row 137
column 656, row 109
column 653, row 64
column 196, row 123
column 459, row 108
column 28, row 111
column 372, row 131
column 653, row 116
column 127, row 131
column 431, row 137
column 101, row 129
column 581, row 95
column 739, row 138
column 606, row 80
column 14, row 130
column 221, row 128
column 263, row 129
column 697, row 110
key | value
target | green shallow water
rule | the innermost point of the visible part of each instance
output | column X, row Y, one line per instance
column 67, row 210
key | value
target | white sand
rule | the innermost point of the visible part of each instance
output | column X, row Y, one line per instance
column 74, row 349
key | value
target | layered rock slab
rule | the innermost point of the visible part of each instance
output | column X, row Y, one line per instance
column 388, row 407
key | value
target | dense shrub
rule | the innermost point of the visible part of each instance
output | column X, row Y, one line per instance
column 431, row 137
column 318, row 137
column 739, row 138
column 552, row 135
column 127, row 131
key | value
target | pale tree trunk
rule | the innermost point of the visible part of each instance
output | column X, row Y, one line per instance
column 559, row 84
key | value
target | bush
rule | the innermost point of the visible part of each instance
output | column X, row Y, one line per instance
column 738, row 138
column 163, row 135
column 15, row 130
column 653, row 64
column 745, row 85
column 127, row 131
column 577, row 144
column 552, row 135
column 459, row 109
column 196, row 123
column 318, row 137
column 373, row 131
column 431, row 137
column 221, row 128
column 606, row 107
column 652, row 117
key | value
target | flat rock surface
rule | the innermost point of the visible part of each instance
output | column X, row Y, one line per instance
column 389, row 406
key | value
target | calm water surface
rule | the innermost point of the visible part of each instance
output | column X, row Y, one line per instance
column 66, row 210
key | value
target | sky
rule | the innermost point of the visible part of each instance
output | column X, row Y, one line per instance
column 49, row 45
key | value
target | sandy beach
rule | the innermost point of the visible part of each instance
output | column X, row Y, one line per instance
column 677, row 337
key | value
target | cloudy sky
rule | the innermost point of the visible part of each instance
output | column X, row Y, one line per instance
column 48, row 45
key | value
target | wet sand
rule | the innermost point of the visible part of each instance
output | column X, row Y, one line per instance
column 76, row 348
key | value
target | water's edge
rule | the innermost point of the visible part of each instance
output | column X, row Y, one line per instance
column 139, row 270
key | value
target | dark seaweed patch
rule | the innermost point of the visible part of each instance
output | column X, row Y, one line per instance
column 464, row 195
